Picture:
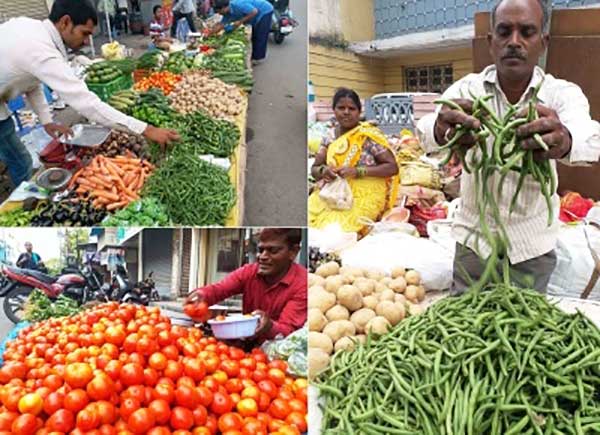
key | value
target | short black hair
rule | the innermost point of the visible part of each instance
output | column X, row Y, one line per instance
column 80, row 11
column 292, row 236
column 155, row 8
column 346, row 93
column 220, row 4
column 540, row 2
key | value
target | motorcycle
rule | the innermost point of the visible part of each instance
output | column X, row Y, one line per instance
column 148, row 287
column 121, row 290
column 282, row 22
column 83, row 286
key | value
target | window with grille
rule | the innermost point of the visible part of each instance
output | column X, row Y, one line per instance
column 433, row 78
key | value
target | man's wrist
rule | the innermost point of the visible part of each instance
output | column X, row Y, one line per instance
column 438, row 140
column 570, row 144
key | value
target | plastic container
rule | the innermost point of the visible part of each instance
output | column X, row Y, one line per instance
column 238, row 326
column 105, row 90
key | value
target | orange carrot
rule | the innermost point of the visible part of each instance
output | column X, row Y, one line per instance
column 116, row 205
column 105, row 194
column 96, row 179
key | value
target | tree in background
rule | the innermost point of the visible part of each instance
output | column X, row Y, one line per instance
column 70, row 238
column 54, row 266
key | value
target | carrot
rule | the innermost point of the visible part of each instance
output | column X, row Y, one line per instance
column 114, row 169
column 105, row 194
column 116, row 205
column 96, row 179
column 129, row 178
column 141, row 181
column 80, row 190
column 74, row 178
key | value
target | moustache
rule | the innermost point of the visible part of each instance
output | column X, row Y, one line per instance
column 514, row 54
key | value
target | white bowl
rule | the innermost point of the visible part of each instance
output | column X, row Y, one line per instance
column 238, row 326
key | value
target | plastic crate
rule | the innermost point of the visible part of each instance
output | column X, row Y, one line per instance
column 105, row 90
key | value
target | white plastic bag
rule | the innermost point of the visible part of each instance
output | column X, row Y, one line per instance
column 331, row 238
column 337, row 194
column 385, row 251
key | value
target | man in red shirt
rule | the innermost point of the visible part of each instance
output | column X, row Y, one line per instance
column 274, row 287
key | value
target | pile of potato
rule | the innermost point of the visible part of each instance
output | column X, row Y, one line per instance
column 197, row 91
column 345, row 304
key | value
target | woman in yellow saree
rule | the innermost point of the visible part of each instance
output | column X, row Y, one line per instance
column 360, row 153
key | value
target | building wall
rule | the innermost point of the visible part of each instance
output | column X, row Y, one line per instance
column 461, row 60
column 351, row 20
column 332, row 68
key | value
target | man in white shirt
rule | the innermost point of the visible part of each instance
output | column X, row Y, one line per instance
column 34, row 52
column 183, row 9
column 516, row 41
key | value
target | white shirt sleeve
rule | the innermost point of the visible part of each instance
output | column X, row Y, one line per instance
column 573, row 110
column 52, row 70
column 38, row 102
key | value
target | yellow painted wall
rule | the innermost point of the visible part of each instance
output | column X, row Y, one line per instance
column 358, row 21
column 461, row 60
column 331, row 68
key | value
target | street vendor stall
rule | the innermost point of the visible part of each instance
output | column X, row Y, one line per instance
column 200, row 92
column 169, row 377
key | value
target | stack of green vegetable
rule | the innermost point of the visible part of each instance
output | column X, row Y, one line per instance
column 16, row 218
column 178, row 63
column 154, row 108
column 126, row 66
column 218, row 40
column 40, row 307
column 102, row 73
column 150, row 60
column 145, row 212
column 124, row 101
column 193, row 191
column 206, row 135
column 229, row 64
column 498, row 362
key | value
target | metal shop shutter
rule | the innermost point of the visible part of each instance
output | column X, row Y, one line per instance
column 186, row 258
column 28, row 8
column 157, row 246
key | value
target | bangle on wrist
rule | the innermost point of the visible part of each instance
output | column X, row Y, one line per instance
column 321, row 170
column 361, row 171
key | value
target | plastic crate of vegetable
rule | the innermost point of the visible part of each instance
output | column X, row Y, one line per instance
column 105, row 90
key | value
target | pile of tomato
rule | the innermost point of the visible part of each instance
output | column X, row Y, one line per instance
column 124, row 369
column 163, row 80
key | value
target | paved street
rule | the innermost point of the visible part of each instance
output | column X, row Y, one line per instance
column 5, row 324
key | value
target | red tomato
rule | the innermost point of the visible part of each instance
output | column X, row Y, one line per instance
column 297, row 419
column 132, row 374
column 268, row 387
column 181, row 418
column 128, row 406
column 76, row 400
column 140, row 421
column 221, row 404
column 24, row 424
column 88, row 419
column 161, row 410
column 280, row 409
column 53, row 402
column 106, row 411
column 232, row 368
column 61, row 421
column 230, row 421
column 100, row 388
column 187, row 397
column 205, row 396
column 165, row 392
column 6, row 420
column 277, row 376
column 78, row 374
column 247, row 407
column 194, row 368
column 157, row 361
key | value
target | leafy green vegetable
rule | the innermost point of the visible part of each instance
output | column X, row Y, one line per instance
column 146, row 212
column 39, row 307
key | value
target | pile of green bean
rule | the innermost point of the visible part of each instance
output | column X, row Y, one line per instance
column 505, row 154
column 194, row 192
column 504, row 361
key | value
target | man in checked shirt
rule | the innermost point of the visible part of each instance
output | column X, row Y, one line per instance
column 517, row 39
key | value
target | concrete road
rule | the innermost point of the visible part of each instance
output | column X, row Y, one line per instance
column 275, row 193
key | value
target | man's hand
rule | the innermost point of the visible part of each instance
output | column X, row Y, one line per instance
column 161, row 136
column 57, row 130
column 216, row 29
column 449, row 119
column 552, row 132
column 347, row 172
column 196, row 296
column 264, row 323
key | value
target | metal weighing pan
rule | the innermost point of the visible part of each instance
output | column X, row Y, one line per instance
column 85, row 135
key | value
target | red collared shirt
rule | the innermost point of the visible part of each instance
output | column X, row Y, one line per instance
column 284, row 302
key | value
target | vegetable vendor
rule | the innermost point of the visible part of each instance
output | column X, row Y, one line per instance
column 517, row 40
column 257, row 13
column 274, row 287
column 358, row 152
column 70, row 24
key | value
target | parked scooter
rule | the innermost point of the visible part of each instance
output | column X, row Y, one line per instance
column 148, row 287
column 283, row 22
column 121, row 290
column 83, row 286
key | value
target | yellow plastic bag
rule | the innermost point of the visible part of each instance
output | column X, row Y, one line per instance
column 313, row 144
column 419, row 174
column 337, row 194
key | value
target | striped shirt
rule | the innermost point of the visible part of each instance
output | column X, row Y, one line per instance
column 527, row 226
